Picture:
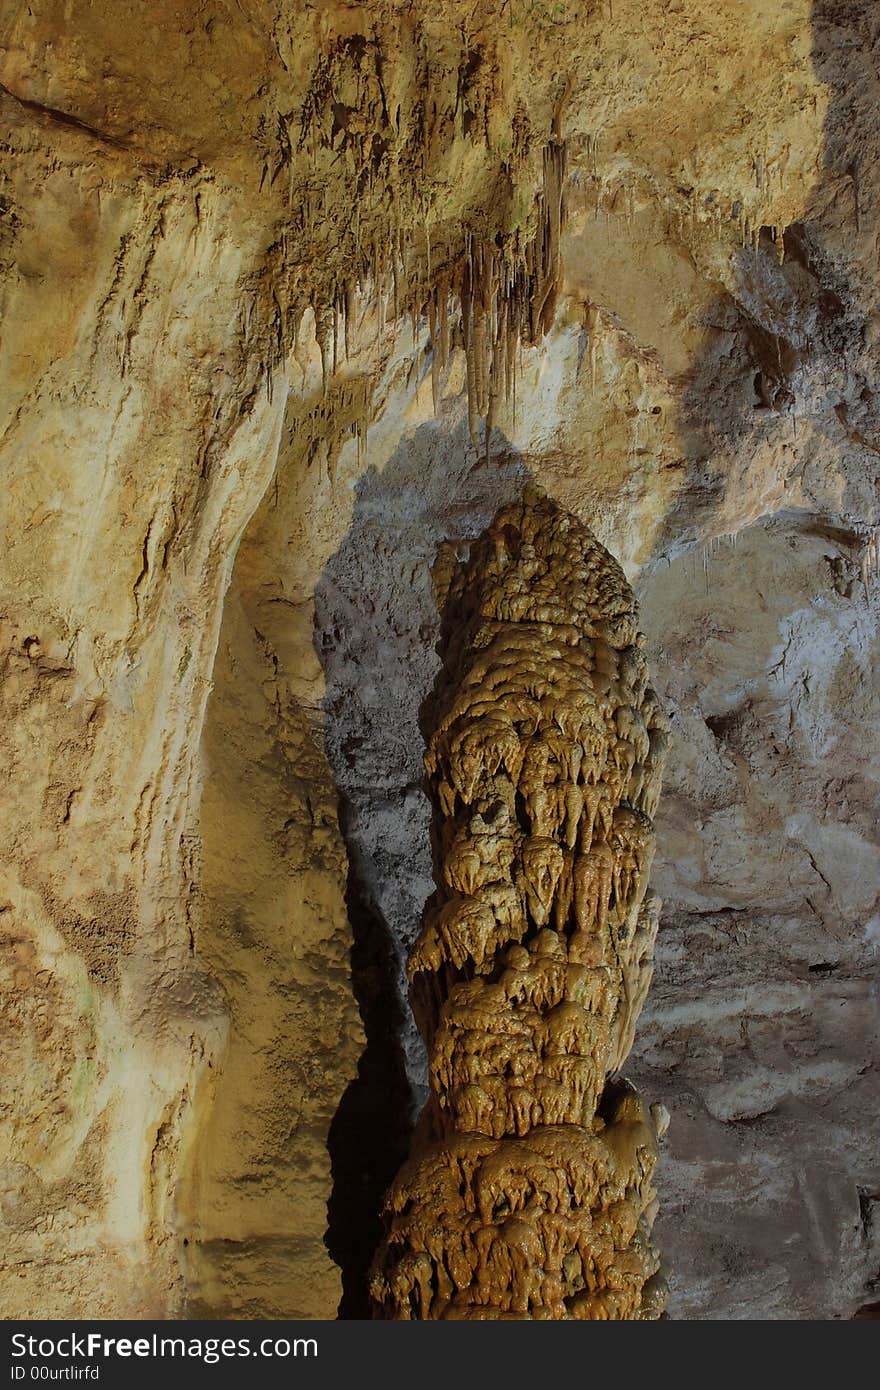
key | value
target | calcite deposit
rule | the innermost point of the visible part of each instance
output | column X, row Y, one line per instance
column 529, row 1192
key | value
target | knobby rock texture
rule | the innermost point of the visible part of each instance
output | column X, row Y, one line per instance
column 267, row 271
column 529, row 1193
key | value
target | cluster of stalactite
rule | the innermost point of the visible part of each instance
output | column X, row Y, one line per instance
column 486, row 294
column 360, row 164
column 498, row 294
column 507, row 289
column 529, row 1192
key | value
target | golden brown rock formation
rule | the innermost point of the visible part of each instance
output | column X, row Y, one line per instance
column 529, row 1190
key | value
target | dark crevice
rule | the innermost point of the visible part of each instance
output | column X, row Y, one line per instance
column 867, row 1202
column 722, row 726
column 65, row 118
column 370, row 1132
column 868, row 1310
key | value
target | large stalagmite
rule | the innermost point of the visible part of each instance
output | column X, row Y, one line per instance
column 529, row 1190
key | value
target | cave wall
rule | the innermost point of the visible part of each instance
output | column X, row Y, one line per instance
column 762, row 1016
column 203, row 814
column 120, row 518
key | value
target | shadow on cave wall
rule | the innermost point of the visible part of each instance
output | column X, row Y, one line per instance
column 783, row 367
column 376, row 633
column 369, row 1134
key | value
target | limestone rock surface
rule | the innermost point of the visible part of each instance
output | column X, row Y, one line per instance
column 234, row 433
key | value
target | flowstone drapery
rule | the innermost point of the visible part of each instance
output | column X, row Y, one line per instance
column 528, row 1193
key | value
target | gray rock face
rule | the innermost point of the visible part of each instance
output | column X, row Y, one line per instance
column 760, row 1032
